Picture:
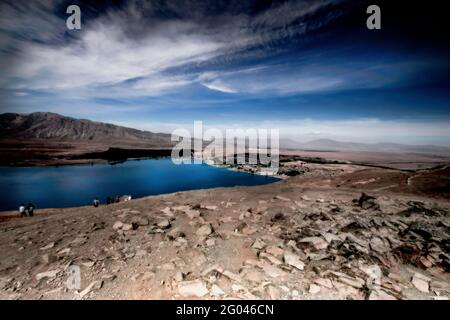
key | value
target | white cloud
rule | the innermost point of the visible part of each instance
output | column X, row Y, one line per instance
column 217, row 85
column 104, row 56
column 125, row 44
column 20, row 93
column 309, row 76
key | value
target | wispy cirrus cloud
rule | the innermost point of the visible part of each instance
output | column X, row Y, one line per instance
column 135, row 42
column 134, row 50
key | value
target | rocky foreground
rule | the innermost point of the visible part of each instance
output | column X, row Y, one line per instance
column 335, row 232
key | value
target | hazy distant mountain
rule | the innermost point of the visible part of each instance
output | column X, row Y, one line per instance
column 332, row 145
column 52, row 126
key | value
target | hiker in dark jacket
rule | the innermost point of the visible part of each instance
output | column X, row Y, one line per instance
column 30, row 209
column 108, row 200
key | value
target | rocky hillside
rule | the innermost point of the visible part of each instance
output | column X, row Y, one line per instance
column 313, row 236
column 52, row 126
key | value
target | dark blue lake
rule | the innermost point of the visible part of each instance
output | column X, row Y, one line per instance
column 78, row 185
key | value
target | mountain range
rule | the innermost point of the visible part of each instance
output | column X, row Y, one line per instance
column 46, row 126
column 52, row 126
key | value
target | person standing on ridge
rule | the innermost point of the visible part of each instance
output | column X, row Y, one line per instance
column 22, row 211
column 30, row 209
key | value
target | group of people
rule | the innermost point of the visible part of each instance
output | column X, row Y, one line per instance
column 110, row 200
column 26, row 210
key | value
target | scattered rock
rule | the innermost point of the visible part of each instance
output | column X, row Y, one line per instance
column 353, row 282
column 48, row 258
column 270, row 258
column 324, row 283
column 274, row 293
column 232, row 276
column 167, row 266
column 216, row 291
column 109, row 277
column 195, row 288
column 117, row 225
column 249, row 230
column 329, row 237
column 211, row 242
column 313, row 289
column 240, row 227
column 78, row 241
column 273, row 271
column 140, row 221
column 368, row 202
column 192, row 214
column 141, row 253
column 212, row 268
column 97, row 226
column 95, row 285
column 253, row 275
column 317, row 242
column 421, row 282
column 380, row 295
column 258, row 244
column 167, row 211
column 238, row 288
column 293, row 260
column 64, row 251
column 179, row 276
column 88, row 264
column 426, row 262
column 417, row 207
column 49, row 246
column 282, row 198
column 277, row 217
column 175, row 233
column 378, row 245
column 164, row 224
column 128, row 227
column 421, row 229
column 47, row 274
column 204, row 230
column 275, row 251
column 180, row 242
column 148, row 275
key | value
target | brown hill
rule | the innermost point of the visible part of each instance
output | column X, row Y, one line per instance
column 44, row 138
column 52, row 126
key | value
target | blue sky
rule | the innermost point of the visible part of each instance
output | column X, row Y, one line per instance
column 310, row 68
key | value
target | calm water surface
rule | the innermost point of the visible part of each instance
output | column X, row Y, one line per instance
column 78, row 185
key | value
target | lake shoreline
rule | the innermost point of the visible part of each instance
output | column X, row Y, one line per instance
column 74, row 186
column 41, row 212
